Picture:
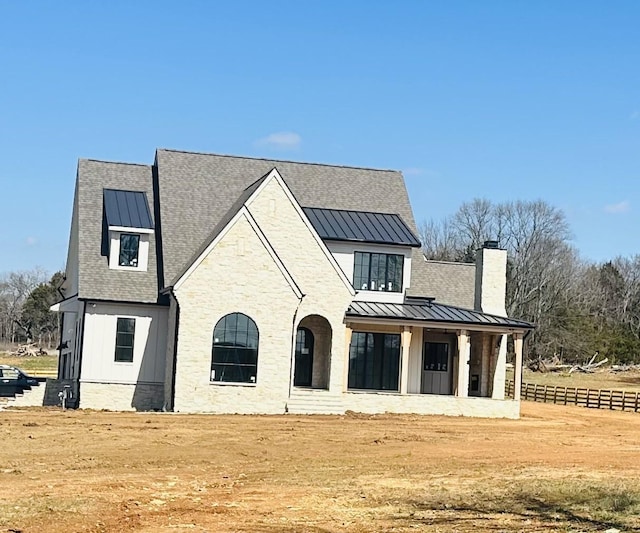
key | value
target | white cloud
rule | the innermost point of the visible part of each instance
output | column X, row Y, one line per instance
column 31, row 241
column 621, row 207
column 283, row 140
column 413, row 171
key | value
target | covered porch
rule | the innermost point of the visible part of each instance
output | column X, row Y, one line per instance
column 425, row 357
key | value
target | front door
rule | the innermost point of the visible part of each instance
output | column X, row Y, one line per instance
column 303, row 370
column 436, row 368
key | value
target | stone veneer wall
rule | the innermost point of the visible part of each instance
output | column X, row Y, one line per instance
column 428, row 404
column 122, row 397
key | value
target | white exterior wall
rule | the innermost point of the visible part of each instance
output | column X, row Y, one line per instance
column 343, row 252
column 326, row 293
column 430, row 404
column 101, row 373
column 239, row 274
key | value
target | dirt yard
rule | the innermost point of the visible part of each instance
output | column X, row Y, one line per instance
column 556, row 469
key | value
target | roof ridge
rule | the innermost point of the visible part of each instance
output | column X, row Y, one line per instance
column 113, row 162
column 461, row 263
column 278, row 160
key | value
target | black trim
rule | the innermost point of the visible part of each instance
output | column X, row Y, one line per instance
column 155, row 182
column 175, row 354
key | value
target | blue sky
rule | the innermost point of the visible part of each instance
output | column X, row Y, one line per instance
column 504, row 100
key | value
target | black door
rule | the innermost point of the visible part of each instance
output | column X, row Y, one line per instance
column 304, row 358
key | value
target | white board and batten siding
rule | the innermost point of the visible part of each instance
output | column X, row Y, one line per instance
column 149, row 347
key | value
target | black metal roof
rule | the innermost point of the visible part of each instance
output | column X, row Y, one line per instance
column 128, row 209
column 361, row 226
column 431, row 311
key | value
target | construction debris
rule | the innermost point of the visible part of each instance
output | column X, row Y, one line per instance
column 555, row 365
column 28, row 350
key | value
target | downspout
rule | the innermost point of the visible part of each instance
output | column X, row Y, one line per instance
column 175, row 352
column 293, row 347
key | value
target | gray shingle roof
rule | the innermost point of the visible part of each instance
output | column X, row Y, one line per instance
column 128, row 209
column 196, row 190
column 448, row 283
column 360, row 226
column 96, row 280
column 432, row 312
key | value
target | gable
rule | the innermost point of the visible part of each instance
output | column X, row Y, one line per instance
column 196, row 190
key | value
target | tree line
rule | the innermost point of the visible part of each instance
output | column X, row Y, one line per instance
column 25, row 299
column 579, row 307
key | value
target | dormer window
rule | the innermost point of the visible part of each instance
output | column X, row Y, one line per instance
column 129, row 249
column 127, row 219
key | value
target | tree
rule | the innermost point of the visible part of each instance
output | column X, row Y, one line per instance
column 14, row 290
column 36, row 320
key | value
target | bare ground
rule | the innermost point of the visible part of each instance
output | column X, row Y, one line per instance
column 556, row 469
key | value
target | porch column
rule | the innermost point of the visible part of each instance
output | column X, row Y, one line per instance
column 464, row 354
column 499, row 368
column 404, row 365
column 347, row 343
column 517, row 370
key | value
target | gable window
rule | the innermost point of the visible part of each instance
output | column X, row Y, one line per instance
column 378, row 272
column 125, row 331
column 234, row 356
column 129, row 246
column 374, row 361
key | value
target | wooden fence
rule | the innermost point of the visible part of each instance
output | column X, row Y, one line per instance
column 595, row 398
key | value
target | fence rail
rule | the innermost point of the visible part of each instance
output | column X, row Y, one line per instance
column 594, row 398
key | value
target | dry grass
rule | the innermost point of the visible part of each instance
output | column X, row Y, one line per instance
column 557, row 469
column 602, row 379
column 46, row 365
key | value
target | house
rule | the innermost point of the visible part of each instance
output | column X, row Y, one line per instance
column 219, row 284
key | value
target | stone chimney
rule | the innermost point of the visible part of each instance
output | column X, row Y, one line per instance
column 491, row 279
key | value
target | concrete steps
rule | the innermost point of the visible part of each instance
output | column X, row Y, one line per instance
column 33, row 397
column 314, row 402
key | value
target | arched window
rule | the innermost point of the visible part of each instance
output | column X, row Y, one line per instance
column 234, row 355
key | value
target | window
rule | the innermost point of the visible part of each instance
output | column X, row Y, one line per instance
column 129, row 246
column 378, row 272
column 436, row 356
column 234, row 356
column 124, row 340
column 374, row 361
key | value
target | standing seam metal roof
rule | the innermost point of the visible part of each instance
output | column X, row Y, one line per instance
column 128, row 209
column 431, row 312
column 361, row 226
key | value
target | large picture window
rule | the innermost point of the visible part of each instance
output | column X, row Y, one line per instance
column 378, row 272
column 125, row 332
column 374, row 361
column 234, row 355
column 129, row 247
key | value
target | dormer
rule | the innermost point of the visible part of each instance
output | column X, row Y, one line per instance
column 373, row 250
column 128, row 227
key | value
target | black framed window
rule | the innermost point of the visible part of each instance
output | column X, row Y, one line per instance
column 234, row 356
column 436, row 356
column 129, row 247
column 125, row 333
column 374, row 361
column 378, row 272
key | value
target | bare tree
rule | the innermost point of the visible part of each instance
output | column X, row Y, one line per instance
column 15, row 287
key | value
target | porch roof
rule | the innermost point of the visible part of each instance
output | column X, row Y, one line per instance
column 431, row 311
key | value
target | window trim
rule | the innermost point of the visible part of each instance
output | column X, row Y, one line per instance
column 137, row 238
column 133, row 340
column 358, row 277
column 251, row 331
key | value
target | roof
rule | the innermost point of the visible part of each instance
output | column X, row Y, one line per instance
column 95, row 279
column 360, row 226
column 197, row 190
column 449, row 283
column 127, row 209
column 431, row 311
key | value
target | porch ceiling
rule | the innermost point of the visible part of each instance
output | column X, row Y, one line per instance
column 434, row 313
